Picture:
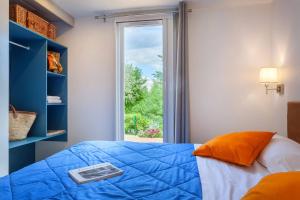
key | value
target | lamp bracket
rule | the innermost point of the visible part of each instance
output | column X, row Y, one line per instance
column 279, row 88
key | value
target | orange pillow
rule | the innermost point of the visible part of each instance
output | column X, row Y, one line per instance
column 276, row 187
column 239, row 148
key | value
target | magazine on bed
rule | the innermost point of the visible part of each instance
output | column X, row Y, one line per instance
column 94, row 173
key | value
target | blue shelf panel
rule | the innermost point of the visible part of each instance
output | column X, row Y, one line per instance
column 21, row 157
column 55, row 75
column 55, row 46
column 30, row 140
column 19, row 33
column 56, row 104
column 29, row 78
column 28, row 86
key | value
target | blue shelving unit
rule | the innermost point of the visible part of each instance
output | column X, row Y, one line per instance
column 55, row 75
column 30, row 83
column 56, row 104
column 30, row 140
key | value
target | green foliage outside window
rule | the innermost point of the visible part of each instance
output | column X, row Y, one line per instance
column 143, row 106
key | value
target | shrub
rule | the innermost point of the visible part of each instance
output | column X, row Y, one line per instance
column 151, row 133
column 135, row 123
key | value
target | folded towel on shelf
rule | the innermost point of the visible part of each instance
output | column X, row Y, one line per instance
column 53, row 97
column 54, row 101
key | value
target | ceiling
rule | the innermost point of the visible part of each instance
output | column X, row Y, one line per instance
column 80, row 8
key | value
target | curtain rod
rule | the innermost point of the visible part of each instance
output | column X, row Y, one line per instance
column 104, row 17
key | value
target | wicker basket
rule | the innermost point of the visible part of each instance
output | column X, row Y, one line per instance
column 20, row 123
column 52, row 31
column 37, row 24
column 18, row 14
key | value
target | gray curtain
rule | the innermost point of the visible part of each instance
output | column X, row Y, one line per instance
column 181, row 118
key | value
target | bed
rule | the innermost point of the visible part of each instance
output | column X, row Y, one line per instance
column 151, row 171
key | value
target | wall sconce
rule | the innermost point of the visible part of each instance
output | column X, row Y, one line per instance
column 269, row 76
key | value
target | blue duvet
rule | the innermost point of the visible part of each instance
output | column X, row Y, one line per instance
column 151, row 171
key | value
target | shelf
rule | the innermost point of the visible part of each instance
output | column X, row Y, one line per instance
column 30, row 140
column 48, row 10
column 55, row 46
column 23, row 67
column 55, row 132
column 19, row 32
column 56, row 104
column 55, row 75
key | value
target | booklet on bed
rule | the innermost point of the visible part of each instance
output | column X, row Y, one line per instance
column 94, row 173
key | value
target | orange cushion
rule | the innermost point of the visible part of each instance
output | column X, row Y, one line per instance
column 239, row 148
column 276, row 187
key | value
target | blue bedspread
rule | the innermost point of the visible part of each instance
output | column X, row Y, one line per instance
column 151, row 171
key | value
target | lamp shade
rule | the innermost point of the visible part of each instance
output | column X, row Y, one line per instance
column 269, row 75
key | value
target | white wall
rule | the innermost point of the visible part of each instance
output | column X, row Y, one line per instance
column 4, row 81
column 286, row 44
column 227, row 46
column 91, row 81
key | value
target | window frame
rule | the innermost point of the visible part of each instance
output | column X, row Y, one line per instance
column 166, row 20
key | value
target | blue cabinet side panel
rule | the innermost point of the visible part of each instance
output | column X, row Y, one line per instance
column 57, row 115
column 28, row 82
column 21, row 157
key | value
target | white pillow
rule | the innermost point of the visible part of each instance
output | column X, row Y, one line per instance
column 281, row 155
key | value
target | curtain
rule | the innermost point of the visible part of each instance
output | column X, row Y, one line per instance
column 181, row 109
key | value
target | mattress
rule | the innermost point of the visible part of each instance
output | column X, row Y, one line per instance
column 151, row 171
column 225, row 181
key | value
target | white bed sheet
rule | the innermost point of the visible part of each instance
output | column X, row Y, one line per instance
column 224, row 181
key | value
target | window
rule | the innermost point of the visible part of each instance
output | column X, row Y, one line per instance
column 143, row 79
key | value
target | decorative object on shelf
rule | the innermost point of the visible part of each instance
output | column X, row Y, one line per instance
column 32, row 21
column 54, row 99
column 51, row 31
column 37, row 24
column 18, row 14
column 55, row 132
column 54, row 64
column 56, row 55
column 20, row 123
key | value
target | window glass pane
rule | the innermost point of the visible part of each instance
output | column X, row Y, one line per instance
column 143, row 58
